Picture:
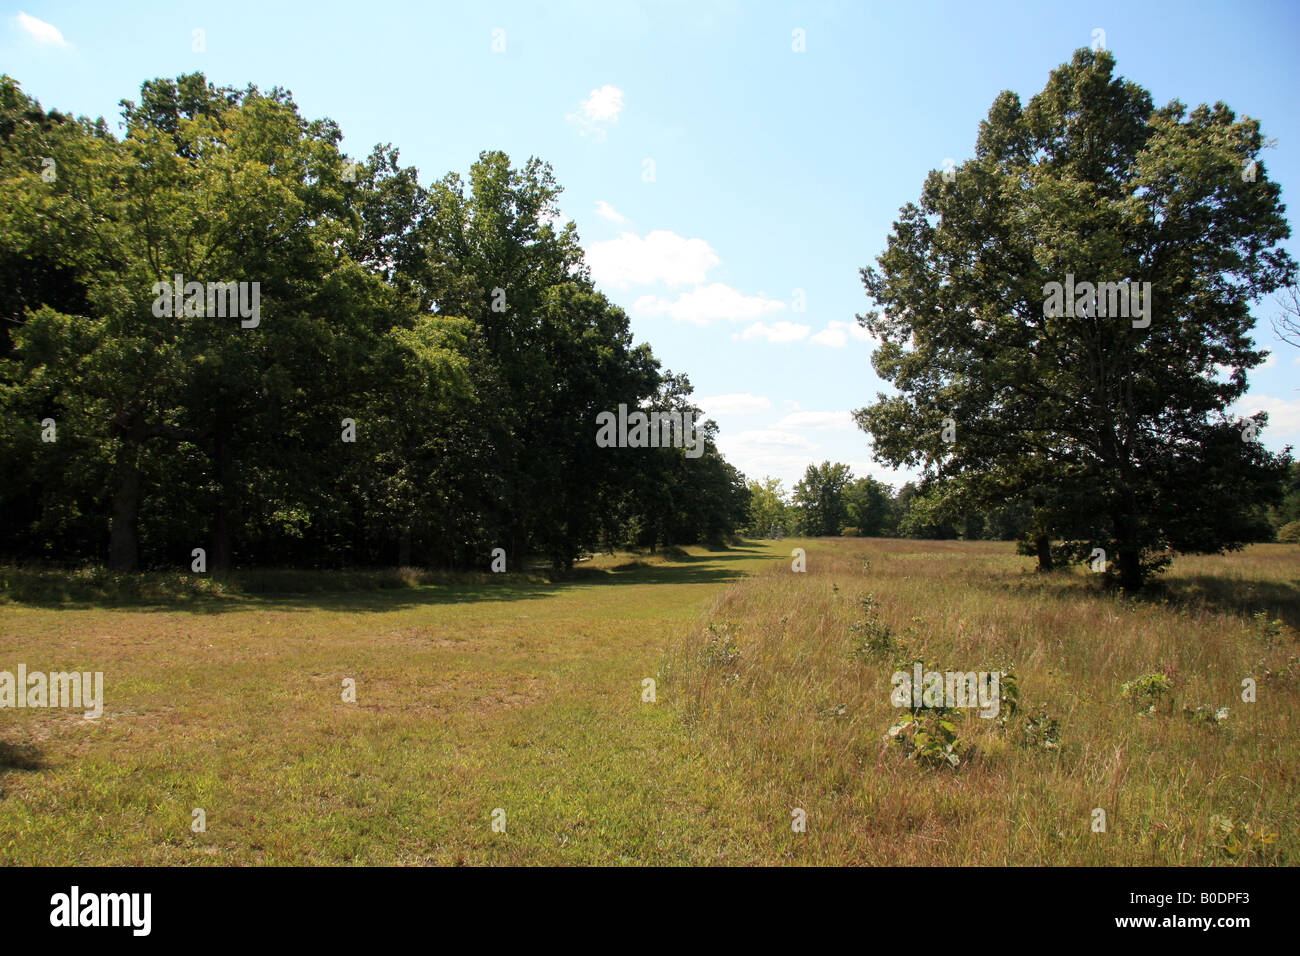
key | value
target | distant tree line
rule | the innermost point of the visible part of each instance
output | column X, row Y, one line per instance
column 829, row 501
column 220, row 332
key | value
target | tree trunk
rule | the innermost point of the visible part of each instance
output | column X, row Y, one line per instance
column 1043, row 544
column 1130, row 555
column 123, row 540
column 1130, row 570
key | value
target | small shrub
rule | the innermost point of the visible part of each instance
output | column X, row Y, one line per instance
column 1243, row 841
column 1287, row 673
column 1149, row 693
column 870, row 635
column 721, row 650
column 929, row 737
column 1041, row 731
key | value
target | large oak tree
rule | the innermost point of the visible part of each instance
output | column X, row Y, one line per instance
column 1117, row 432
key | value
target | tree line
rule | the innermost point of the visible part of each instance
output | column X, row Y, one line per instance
column 221, row 332
column 829, row 501
column 420, row 384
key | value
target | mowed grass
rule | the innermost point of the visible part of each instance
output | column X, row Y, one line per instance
column 512, row 692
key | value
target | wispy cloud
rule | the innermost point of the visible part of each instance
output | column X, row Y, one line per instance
column 772, row 439
column 777, row 332
column 606, row 211
column 735, row 403
column 40, row 31
column 817, row 420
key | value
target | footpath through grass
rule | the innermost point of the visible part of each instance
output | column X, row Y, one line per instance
column 773, row 693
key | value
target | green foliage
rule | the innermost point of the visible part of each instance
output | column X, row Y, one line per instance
column 379, row 304
column 819, row 496
column 930, row 737
column 1041, row 730
column 869, row 635
column 995, row 400
column 1238, row 840
column 720, row 649
column 1149, row 693
column 1286, row 513
column 870, row 508
column 768, row 510
column 1205, row 715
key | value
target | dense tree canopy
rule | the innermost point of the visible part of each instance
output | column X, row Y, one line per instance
column 1056, row 313
column 819, row 496
column 220, row 332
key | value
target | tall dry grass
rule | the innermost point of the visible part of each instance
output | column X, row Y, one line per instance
column 772, row 687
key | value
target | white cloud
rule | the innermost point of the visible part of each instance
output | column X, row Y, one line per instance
column 1283, row 416
column 890, row 476
column 800, row 438
column 606, row 211
column 604, row 104
column 818, row 420
column 769, row 439
column 837, row 334
column 777, row 332
column 796, row 439
column 662, row 256
column 1270, row 362
column 598, row 111
column 710, row 303
column 735, row 403
column 40, row 31
column 788, row 468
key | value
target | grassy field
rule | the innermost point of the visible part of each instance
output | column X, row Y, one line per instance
column 475, row 694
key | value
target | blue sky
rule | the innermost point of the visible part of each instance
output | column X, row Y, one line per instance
column 776, row 174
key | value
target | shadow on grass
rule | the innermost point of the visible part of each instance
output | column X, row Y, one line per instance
column 343, row 591
column 1277, row 599
column 1228, row 595
column 19, row 757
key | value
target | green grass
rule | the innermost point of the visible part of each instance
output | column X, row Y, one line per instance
column 515, row 692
